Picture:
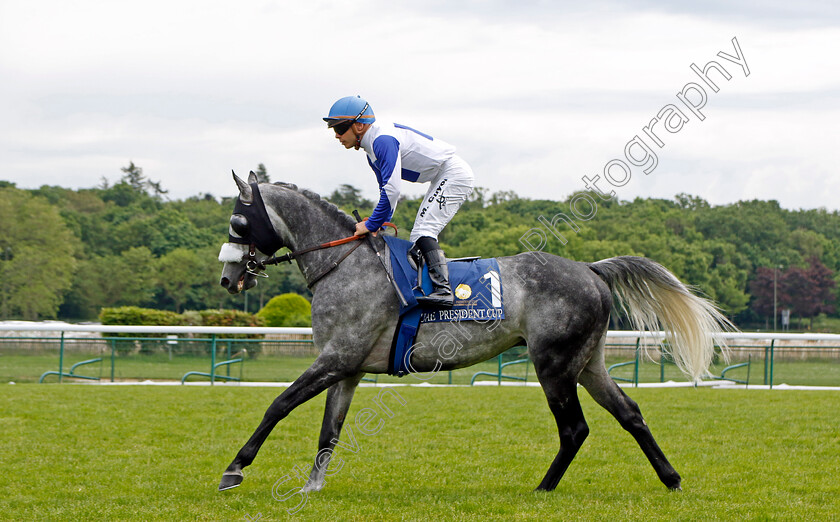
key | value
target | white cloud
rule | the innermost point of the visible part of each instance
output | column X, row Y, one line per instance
column 534, row 95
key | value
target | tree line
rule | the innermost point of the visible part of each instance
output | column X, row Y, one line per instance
column 68, row 253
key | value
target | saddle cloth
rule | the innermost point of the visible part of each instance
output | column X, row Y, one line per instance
column 477, row 285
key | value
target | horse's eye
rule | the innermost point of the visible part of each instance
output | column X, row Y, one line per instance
column 240, row 225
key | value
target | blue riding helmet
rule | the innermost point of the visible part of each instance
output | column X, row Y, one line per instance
column 350, row 108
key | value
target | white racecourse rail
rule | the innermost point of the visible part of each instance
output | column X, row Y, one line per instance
column 23, row 326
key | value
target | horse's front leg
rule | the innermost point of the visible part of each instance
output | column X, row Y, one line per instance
column 339, row 397
column 324, row 372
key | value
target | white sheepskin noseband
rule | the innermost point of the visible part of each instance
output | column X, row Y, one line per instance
column 232, row 253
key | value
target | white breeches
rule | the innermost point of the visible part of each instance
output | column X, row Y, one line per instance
column 447, row 192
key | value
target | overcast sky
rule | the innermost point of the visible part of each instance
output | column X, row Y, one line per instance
column 534, row 94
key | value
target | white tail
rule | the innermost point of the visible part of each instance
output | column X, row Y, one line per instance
column 653, row 299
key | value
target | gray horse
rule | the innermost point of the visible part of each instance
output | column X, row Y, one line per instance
column 559, row 308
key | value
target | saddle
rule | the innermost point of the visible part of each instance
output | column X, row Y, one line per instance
column 476, row 283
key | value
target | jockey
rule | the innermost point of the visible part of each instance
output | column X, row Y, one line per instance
column 395, row 153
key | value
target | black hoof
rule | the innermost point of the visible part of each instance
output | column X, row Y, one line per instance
column 230, row 481
column 672, row 480
column 545, row 487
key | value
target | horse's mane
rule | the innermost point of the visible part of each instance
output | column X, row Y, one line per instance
column 331, row 210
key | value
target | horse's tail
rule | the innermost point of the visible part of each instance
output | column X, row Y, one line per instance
column 651, row 297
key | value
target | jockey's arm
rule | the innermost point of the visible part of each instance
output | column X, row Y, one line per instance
column 389, row 166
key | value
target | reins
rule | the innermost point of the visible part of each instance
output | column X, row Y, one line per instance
column 254, row 267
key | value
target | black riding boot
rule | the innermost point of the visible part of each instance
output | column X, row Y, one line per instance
column 438, row 273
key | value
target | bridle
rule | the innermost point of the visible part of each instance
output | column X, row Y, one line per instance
column 261, row 235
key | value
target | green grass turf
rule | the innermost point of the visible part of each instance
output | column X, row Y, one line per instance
column 147, row 453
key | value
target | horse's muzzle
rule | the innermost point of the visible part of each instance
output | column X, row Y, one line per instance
column 236, row 285
column 225, row 282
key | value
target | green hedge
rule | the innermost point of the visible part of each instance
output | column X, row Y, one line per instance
column 235, row 318
column 136, row 316
column 287, row 310
column 229, row 318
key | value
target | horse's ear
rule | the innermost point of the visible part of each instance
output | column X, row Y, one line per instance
column 252, row 178
column 246, row 195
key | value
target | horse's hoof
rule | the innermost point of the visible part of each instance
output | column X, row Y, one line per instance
column 230, row 480
column 311, row 487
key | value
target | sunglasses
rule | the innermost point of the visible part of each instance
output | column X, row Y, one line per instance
column 343, row 127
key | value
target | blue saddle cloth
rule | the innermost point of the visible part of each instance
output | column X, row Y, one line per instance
column 477, row 285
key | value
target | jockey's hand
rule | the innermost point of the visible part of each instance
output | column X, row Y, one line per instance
column 361, row 229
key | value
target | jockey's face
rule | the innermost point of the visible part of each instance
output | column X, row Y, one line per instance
column 348, row 139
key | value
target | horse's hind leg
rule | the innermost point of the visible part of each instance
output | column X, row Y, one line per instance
column 571, row 425
column 606, row 392
column 339, row 397
column 557, row 375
